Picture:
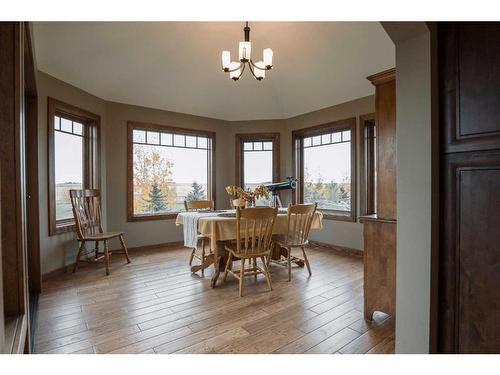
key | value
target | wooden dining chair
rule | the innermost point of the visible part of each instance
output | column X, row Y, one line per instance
column 200, row 206
column 87, row 214
column 300, row 218
column 254, row 230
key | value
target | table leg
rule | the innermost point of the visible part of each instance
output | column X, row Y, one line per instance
column 220, row 260
column 209, row 259
column 278, row 253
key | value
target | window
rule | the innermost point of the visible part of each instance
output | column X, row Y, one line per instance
column 324, row 162
column 368, row 165
column 73, row 159
column 257, row 160
column 167, row 166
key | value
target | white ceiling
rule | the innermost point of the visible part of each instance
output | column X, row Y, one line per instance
column 176, row 65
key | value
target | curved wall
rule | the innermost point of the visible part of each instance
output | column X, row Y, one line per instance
column 59, row 251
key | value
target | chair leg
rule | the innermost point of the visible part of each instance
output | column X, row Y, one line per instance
column 268, row 259
column 80, row 249
column 228, row 265
column 268, row 276
column 203, row 258
column 124, row 247
column 307, row 261
column 242, row 276
column 289, row 260
column 106, row 256
column 97, row 249
column 192, row 257
column 255, row 268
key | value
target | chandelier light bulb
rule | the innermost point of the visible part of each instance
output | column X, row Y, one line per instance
column 235, row 71
column 226, row 60
column 260, row 70
column 245, row 50
column 268, row 58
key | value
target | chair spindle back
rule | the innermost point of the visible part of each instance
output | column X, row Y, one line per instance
column 254, row 229
column 300, row 218
column 86, row 211
column 198, row 205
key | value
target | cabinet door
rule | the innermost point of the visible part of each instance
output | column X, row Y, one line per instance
column 470, row 303
column 469, row 75
column 379, row 267
column 2, row 321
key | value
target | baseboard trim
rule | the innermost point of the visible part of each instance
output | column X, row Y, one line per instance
column 63, row 270
column 155, row 246
column 58, row 271
column 341, row 249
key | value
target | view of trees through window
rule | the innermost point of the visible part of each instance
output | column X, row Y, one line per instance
column 257, row 166
column 327, row 170
column 68, row 160
column 168, row 169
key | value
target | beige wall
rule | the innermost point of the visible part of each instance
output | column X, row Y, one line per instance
column 414, row 171
column 57, row 251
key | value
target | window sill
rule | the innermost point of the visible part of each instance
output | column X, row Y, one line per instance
column 328, row 215
column 169, row 216
column 63, row 227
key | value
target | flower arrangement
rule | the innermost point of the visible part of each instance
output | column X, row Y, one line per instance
column 261, row 192
column 241, row 196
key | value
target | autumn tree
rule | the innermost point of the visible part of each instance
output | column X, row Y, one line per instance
column 151, row 169
column 313, row 191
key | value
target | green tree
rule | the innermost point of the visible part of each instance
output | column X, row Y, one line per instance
column 197, row 192
column 157, row 200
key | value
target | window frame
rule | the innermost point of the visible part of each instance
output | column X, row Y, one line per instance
column 368, row 158
column 134, row 125
column 91, row 157
column 240, row 138
column 298, row 164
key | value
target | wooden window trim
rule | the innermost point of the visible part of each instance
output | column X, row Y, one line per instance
column 298, row 164
column 131, row 125
column 92, row 146
column 248, row 137
column 366, row 189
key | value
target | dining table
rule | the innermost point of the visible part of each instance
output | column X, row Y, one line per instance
column 220, row 227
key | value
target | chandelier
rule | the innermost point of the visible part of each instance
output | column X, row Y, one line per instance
column 236, row 68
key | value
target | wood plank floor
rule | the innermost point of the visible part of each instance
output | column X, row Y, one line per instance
column 155, row 305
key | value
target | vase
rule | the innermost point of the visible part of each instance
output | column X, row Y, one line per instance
column 239, row 203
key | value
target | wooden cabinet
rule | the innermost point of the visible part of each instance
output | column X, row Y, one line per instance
column 2, row 319
column 380, row 228
column 469, row 249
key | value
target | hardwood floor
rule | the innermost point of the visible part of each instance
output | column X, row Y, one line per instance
column 155, row 305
